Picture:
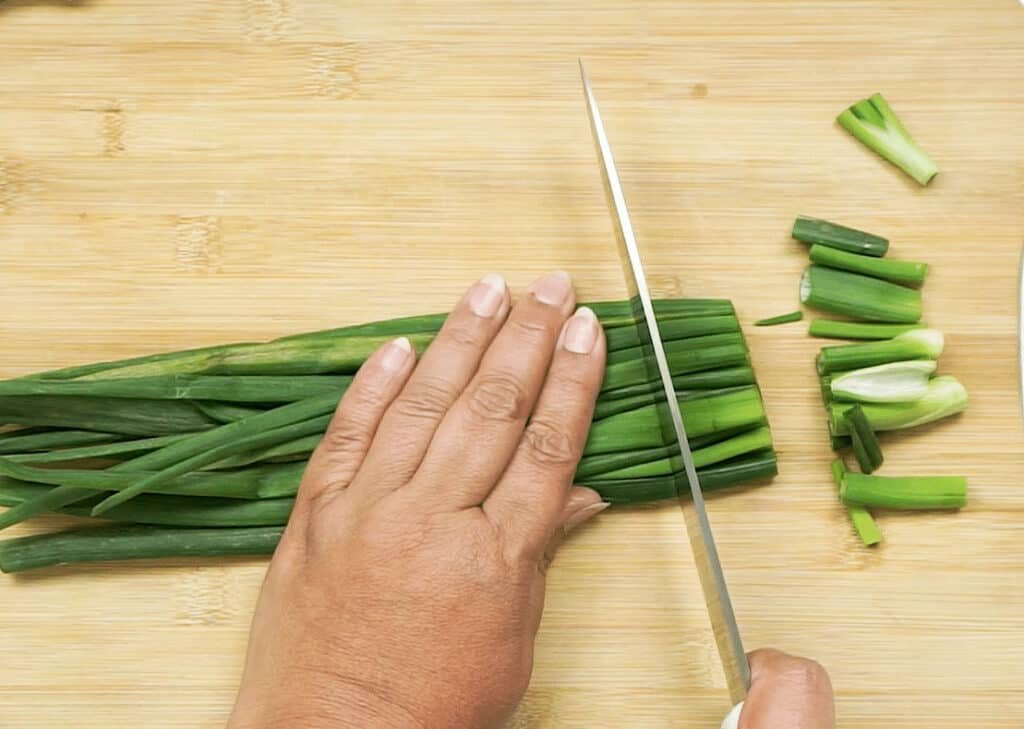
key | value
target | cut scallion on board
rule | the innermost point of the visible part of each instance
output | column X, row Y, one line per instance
column 892, row 382
column 909, row 273
column 858, row 296
column 866, row 448
column 832, row 329
column 864, row 525
column 821, row 232
column 872, row 122
column 780, row 319
column 904, row 493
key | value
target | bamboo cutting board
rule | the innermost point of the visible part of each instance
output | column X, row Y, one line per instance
column 180, row 174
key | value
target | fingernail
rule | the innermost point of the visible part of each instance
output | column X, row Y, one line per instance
column 583, row 514
column 396, row 354
column 487, row 295
column 553, row 289
column 581, row 332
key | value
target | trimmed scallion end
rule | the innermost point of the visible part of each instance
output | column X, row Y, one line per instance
column 859, row 297
column 909, row 273
column 832, row 329
column 821, row 232
column 873, row 123
column 891, row 382
column 945, row 397
column 866, row 448
column 904, row 493
column 864, row 525
column 915, row 344
column 780, row 319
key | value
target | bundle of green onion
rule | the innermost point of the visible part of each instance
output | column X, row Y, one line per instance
column 886, row 382
column 200, row 452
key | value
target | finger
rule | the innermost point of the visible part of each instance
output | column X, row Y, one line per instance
column 787, row 691
column 479, row 434
column 528, row 499
column 443, row 372
column 581, row 504
column 340, row 453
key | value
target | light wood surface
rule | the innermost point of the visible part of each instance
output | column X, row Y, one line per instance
column 178, row 174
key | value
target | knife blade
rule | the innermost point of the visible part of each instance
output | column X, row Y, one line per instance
column 691, row 498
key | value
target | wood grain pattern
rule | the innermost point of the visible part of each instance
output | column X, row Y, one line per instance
column 196, row 172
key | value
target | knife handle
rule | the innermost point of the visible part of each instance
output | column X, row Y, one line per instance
column 732, row 720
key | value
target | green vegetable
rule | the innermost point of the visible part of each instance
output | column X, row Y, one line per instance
column 859, row 297
column 821, row 232
column 741, row 470
column 252, row 483
column 640, row 428
column 607, row 408
column 915, row 492
column 780, row 319
column 681, row 361
column 629, row 336
column 864, row 525
column 53, row 439
column 132, row 542
column 756, row 439
column 866, row 448
column 892, row 382
column 874, row 124
column 678, row 347
column 901, row 272
column 107, row 415
column 831, row 329
column 121, row 448
column 707, row 380
column 945, row 397
column 915, row 344
column 245, row 389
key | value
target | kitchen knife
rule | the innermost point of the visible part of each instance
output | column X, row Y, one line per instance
column 691, row 498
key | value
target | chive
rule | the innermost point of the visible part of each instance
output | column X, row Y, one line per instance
column 780, row 319
column 244, row 389
column 252, row 483
column 624, row 337
column 640, row 428
column 752, row 440
column 222, row 412
column 99, row 451
column 891, row 382
column 706, row 380
column 915, row 492
column 872, row 122
column 864, row 525
column 132, row 542
column 821, row 232
column 926, row 344
column 859, row 297
column 607, row 408
column 53, row 439
column 945, row 397
column 901, row 272
column 831, row 329
column 300, row 447
column 866, row 448
column 108, row 415
column 279, row 425
column 637, row 371
column 722, row 475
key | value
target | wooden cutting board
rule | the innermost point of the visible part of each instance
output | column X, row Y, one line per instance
column 186, row 173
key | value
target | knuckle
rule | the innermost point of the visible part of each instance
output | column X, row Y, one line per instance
column 463, row 334
column 529, row 329
column 498, row 396
column 344, row 438
column 427, row 399
column 547, row 445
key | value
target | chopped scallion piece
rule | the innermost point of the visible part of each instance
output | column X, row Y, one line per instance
column 875, row 124
column 780, row 319
column 859, row 297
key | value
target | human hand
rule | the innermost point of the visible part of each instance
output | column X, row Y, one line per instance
column 786, row 692
column 408, row 586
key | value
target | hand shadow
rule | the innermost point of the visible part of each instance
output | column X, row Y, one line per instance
column 13, row 5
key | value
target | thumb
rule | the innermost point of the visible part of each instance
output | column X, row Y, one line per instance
column 787, row 692
column 580, row 505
